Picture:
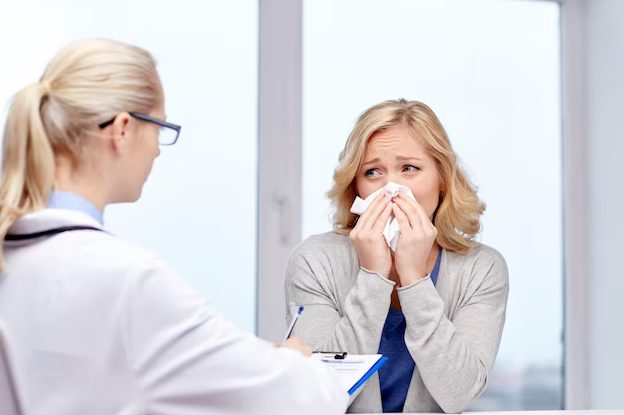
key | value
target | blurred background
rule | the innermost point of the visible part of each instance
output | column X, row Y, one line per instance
column 267, row 92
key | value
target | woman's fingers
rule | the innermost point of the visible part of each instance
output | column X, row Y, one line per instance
column 409, row 208
column 367, row 237
column 419, row 208
column 365, row 217
column 381, row 221
column 413, row 247
column 404, row 224
column 369, row 217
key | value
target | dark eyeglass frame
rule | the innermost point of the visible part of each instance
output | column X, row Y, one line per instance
column 145, row 117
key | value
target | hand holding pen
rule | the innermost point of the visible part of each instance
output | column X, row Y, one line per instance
column 295, row 343
column 291, row 326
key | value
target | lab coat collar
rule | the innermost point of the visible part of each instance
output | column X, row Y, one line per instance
column 51, row 218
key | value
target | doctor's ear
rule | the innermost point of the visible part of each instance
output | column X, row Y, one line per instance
column 120, row 131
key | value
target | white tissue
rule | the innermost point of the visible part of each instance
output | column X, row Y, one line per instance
column 391, row 230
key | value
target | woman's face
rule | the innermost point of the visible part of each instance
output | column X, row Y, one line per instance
column 394, row 155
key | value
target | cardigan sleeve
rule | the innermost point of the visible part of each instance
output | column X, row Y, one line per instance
column 455, row 356
column 354, row 324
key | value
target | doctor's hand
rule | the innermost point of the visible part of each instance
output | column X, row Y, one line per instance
column 367, row 236
column 416, row 238
column 295, row 343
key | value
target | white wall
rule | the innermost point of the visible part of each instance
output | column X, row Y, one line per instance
column 605, row 127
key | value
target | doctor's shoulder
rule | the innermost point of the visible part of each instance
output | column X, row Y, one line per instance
column 144, row 279
column 115, row 258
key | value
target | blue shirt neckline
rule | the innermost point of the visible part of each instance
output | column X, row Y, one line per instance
column 71, row 201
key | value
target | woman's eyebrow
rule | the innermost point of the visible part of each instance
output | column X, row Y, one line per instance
column 403, row 158
column 373, row 161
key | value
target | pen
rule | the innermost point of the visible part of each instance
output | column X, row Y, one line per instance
column 292, row 323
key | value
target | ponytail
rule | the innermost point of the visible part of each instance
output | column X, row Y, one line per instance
column 87, row 83
column 27, row 159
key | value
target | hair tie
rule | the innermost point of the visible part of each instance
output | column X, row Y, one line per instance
column 45, row 87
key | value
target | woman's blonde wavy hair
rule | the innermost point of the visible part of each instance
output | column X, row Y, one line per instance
column 87, row 83
column 457, row 217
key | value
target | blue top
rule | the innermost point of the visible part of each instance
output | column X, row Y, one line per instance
column 71, row 201
column 395, row 376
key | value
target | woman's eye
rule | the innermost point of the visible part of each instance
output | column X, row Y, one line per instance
column 371, row 172
column 410, row 168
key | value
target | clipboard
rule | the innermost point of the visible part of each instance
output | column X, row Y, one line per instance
column 354, row 369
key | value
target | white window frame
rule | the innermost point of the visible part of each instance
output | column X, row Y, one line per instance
column 279, row 156
column 575, row 205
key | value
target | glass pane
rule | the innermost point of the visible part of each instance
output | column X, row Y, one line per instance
column 496, row 87
column 198, row 207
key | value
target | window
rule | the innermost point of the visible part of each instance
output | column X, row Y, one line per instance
column 198, row 210
column 495, row 85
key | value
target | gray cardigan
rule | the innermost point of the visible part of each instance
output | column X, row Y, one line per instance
column 453, row 328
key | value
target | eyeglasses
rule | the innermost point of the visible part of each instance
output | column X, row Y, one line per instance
column 168, row 134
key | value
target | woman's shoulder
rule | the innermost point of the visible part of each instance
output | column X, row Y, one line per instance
column 324, row 252
column 323, row 257
column 330, row 242
column 479, row 252
column 480, row 259
column 478, row 256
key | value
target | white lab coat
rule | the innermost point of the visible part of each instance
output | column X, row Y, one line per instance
column 99, row 326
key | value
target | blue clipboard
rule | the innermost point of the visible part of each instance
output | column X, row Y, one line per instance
column 368, row 374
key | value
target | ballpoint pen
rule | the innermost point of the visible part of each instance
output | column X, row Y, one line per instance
column 292, row 323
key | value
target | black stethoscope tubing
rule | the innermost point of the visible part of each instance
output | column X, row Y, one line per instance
column 50, row 232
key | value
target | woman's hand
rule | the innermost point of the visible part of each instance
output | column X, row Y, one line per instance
column 417, row 235
column 295, row 343
column 367, row 236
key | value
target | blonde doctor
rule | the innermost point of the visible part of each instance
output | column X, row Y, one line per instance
column 98, row 325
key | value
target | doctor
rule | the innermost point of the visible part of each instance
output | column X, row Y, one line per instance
column 98, row 325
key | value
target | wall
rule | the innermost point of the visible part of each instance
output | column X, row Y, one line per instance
column 605, row 144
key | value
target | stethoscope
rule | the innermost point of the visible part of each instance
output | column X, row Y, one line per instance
column 50, row 232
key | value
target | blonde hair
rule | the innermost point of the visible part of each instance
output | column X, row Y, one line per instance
column 87, row 83
column 457, row 217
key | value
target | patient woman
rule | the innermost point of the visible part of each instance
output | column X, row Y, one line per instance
column 436, row 305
